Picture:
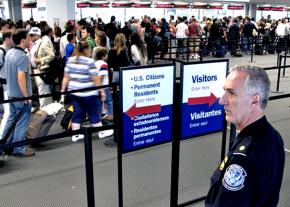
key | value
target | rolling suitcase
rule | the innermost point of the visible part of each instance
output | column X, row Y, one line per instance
column 40, row 123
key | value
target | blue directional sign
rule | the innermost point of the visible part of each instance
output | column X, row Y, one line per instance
column 147, row 103
column 202, row 86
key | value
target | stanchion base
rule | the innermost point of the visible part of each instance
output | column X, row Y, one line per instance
column 110, row 143
column 277, row 91
column 285, row 76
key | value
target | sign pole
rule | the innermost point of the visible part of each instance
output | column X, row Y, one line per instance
column 120, row 175
column 175, row 152
column 118, row 139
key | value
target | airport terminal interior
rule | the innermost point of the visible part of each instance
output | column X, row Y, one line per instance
column 156, row 129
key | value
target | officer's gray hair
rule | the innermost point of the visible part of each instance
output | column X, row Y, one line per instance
column 256, row 82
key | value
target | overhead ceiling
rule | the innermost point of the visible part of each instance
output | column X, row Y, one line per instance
column 275, row 2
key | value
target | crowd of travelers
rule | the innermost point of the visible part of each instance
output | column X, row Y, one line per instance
column 89, row 54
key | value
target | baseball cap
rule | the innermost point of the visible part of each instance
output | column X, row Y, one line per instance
column 35, row 30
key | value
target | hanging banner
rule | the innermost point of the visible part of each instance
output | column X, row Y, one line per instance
column 270, row 8
column 278, row 8
column 181, row 5
column 164, row 5
column 202, row 86
column 215, row 6
column 235, row 7
column 122, row 4
column 83, row 5
column 146, row 105
column 141, row 5
column 29, row 5
column 104, row 4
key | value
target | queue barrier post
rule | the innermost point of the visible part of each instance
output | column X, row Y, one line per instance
column 278, row 76
column 89, row 166
column 252, row 48
column 285, row 59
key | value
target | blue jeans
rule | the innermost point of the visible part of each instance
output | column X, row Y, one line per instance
column 19, row 132
column 248, row 44
column 109, row 101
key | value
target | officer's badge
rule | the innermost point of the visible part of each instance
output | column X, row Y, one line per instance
column 242, row 148
column 234, row 177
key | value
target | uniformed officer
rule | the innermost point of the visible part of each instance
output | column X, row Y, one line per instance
column 251, row 173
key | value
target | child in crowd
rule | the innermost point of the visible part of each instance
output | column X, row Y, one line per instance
column 70, row 47
column 102, row 66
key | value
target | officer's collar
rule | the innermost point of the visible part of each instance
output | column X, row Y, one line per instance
column 253, row 127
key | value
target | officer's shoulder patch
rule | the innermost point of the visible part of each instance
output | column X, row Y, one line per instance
column 234, row 177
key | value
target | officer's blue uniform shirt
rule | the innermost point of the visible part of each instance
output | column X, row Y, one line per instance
column 251, row 173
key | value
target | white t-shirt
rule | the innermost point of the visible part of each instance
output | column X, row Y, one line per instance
column 102, row 67
column 137, row 57
column 62, row 44
column 181, row 30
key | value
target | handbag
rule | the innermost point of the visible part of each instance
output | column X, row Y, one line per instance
column 49, row 74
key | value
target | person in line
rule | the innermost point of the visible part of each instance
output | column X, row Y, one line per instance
column 101, row 40
column 63, row 40
column 194, row 32
column 118, row 56
column 251, row 173
column 102, row 66
column 112, row 30
column 7, row 44
column 87, row 33
column 249, row 29
column 138, row 50
column 41, row 55
column 181, row 35
column 70, row 47
column 18, row 86
column 81, row 72
column 234, row 37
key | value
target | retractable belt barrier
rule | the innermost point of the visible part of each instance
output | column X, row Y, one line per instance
column 254, row 45
column 55, row 136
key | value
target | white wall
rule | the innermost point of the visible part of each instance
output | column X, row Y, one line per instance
column 63, row 10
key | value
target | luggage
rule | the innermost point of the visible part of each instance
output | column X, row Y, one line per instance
column 66, row 119
column 220, row 51
column 258, row 49
column 40, row 123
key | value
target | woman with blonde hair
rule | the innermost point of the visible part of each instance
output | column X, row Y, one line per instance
column 80, row 72
column 118, row 56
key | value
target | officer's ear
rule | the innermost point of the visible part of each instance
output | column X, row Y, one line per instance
column 256, row 99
